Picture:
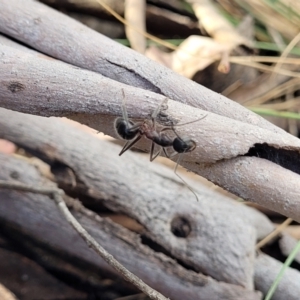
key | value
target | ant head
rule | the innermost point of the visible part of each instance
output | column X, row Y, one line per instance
column 183, row 145
column 125, row 129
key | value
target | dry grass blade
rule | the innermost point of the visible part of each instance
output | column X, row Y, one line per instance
column 270, row 69
column 134, row 12
column 263, row 11
column 291, row 104
column 285, row 53
column 138, row 30
column 278, row 91
column 273, row 234
column 270, row 59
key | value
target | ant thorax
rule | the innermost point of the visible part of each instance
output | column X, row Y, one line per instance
column 157, row 137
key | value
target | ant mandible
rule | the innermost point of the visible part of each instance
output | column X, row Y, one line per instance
column 133, row 132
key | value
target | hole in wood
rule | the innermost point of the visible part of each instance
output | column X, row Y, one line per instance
column 14, row 175
column 181, row 227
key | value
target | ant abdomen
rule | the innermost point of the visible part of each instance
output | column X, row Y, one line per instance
column 126, row 129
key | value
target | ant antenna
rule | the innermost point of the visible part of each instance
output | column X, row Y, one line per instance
column 175, row 171
column 194, row 121
column 127, row 129
column 124, row 111
column 157, row 111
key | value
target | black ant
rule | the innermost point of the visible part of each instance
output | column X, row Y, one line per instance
column 133, row 132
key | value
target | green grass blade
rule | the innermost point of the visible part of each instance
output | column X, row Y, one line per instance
column 280, row 274
column 275, row 113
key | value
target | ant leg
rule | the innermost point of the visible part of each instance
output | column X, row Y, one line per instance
column 170, row 155
column 129, row 144
column 175, row 171
column 153, row 156
column 135, row 126
column 166, row 153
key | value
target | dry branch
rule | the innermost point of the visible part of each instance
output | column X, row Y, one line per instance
column 224, row 145
column 266, row 270
column 26, row 277
column 96, row 166
column 32, row 23
column 287, row 243
column 35, row 215
column 52, row 88
column 47, row 87
column 57, row 195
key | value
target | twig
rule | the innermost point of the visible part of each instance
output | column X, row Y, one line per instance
column 57, row 195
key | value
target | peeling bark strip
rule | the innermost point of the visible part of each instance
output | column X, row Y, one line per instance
column 66, row 39
column 157, row 199
column 37, row 216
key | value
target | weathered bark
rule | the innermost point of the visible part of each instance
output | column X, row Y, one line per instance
column 287, row 243
column 221, row 141
column 266, row 270
column 75, row 93
column 32, row 23
column 29, row 281
column 100, row 174
column 37, row 217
